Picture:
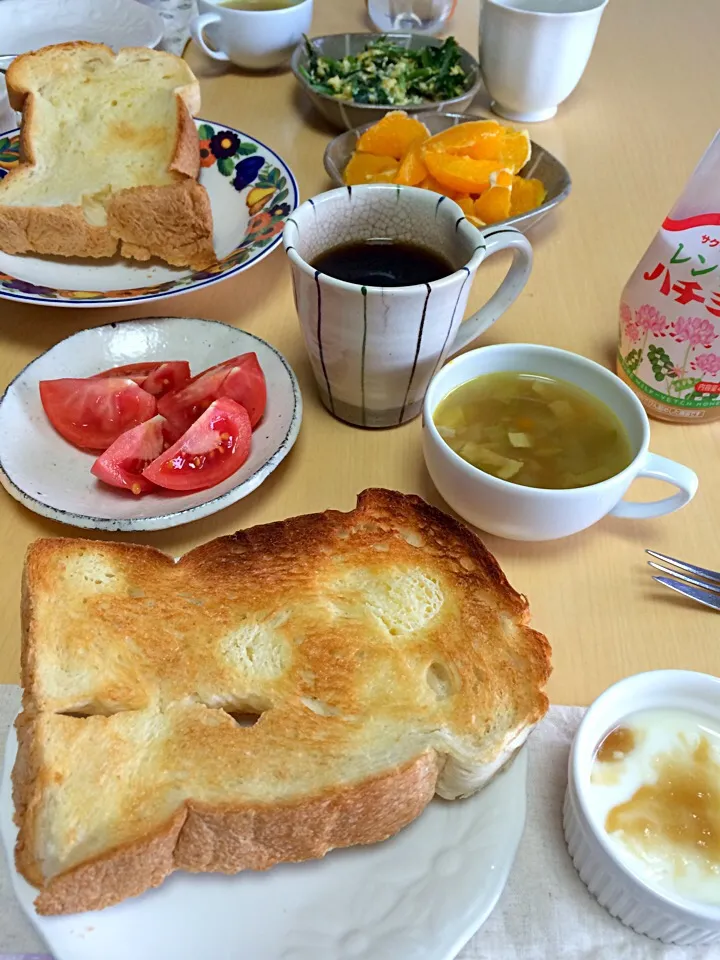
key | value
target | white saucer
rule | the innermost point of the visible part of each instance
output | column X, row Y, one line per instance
column 29, row 24
column 52, row 478
column 419, row 896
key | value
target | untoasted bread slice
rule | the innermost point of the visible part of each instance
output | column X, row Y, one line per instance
column 110, row 157
column 382, row 654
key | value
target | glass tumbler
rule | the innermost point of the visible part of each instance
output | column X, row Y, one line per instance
column 410, row 16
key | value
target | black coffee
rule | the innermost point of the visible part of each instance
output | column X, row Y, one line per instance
column 383, row 263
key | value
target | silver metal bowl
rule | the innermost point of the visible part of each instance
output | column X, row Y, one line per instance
column 346, row 114
column 541, row 164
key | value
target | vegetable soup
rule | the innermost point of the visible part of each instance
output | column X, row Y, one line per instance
column 533, row 430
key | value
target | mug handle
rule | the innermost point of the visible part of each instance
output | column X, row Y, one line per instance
column 197, row 27
column 660, row 468
column 504, row 238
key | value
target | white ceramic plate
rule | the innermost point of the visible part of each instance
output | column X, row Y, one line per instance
column 52, row 478
column 29, row 24
column 252, row 192
column 418, row 896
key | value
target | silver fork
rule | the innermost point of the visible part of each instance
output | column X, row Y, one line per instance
column 5, row 60
column 705, row 590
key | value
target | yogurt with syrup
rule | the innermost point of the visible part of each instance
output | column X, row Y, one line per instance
column 655, row 788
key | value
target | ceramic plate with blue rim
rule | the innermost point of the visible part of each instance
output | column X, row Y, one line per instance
column 252, row 192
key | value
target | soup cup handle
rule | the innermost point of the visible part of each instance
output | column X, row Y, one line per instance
column 197, row 28
column 497, row 239
column 660, row 468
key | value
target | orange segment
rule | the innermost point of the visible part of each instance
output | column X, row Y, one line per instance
column 466, row 204
column 503, row 178
column 463, row 174
column 526, row 195
column 512, row 148
column 430, row 183
column 393, row 135
column 485, row 140
column 412, row 170
column 367, row 168
column 493, row 205
column 457, row 139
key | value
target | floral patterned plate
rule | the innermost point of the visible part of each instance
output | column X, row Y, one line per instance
column 252, row 192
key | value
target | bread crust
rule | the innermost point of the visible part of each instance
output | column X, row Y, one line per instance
column 201, row 838
column 246, row 834
column 172, row 222
column 186, row 160
column 54, row 231
column 179, row 229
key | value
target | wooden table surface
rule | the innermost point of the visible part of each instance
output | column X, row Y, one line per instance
column 630, row 135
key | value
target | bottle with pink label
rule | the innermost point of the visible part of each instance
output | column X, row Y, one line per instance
column 669, row 343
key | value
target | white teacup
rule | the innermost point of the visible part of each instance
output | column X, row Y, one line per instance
column 253, row 39
column 529, row 513
column 533, row 53
column 374, row 349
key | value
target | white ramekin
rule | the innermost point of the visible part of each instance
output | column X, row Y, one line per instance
column 663, row 916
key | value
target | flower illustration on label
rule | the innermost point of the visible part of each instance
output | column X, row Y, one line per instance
column 651, row 321
column 632, row 332
column 647, row 322
column 707, row 363
column 693, row 331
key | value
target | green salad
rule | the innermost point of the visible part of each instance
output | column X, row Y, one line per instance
column 387, row 73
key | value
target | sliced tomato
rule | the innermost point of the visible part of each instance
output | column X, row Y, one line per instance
column 214, row 447
column 240, row 378
column 123, row 462
column 156, row 378
column 91, row 414
column 245, row 384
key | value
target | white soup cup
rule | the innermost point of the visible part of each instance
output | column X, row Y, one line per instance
column 531, row 513
column 253, row 39
column 533, row 53
column 374, row 349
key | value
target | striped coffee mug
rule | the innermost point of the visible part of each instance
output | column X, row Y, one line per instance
column 373, row 349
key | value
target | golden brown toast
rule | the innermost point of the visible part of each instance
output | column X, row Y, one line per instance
column 110, row 157
column 380, row 654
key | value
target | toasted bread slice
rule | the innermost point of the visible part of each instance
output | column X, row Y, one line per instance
column 381, row 654
column 110, row 157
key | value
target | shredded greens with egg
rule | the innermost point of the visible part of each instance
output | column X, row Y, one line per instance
column 389, row 74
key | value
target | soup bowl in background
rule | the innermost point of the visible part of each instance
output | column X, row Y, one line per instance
column 518, row 512
column 252, row 39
